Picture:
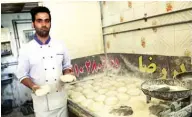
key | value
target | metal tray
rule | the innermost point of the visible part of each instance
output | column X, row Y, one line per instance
column 167, row 95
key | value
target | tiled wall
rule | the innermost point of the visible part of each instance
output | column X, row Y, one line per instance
column 79, row 25
column 174, row 40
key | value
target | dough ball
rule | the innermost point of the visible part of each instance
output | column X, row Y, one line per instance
column 131, row 86
column 79, row 84
column 75, row 94
column 96, row 106
column 96, row 88
column 120, row 79
column 90, row 95
column 89, row 82
column 97, row 84
column 122, row 89
column 87, row 86
column 129, row 81
column 112, row 88
column 111, row 100
column 137, row 103
column 123, row 96
column 100, row 98
column 79, row 89
column 111, row 93
column 119, row 84
column 86, row 103
column 79, row 98
column 106, row 85
column 134, row 92
column 69, row 87
column 86, row 91
column 102, row 91
column 112, row 82
column 43, row 90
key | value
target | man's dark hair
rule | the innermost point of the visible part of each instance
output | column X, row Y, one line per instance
column 39, row 9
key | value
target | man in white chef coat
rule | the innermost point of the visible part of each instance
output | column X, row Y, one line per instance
column 41, row 62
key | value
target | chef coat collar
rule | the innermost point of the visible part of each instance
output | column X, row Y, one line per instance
column 39, row 42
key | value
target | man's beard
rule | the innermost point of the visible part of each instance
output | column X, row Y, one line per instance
column 42, row 32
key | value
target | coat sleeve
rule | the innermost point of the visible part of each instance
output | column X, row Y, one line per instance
column 23, row 65
column 66, row 60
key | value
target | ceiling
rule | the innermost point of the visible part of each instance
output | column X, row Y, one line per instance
column 17, row 7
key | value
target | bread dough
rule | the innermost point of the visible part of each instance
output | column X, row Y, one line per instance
column 89, row 82
column 86, row 103
column 67, row 78
column 130, row 86
column 111, row 93
column 79, row 98
column 43, row 90
column 134, row 92
column 100, row 98
column 137, row 103
column 86, row 91
column 96, row 106
column 97, row 84
column 79, row 89
column 91, row 95
column 112, row 88
column 111, row 100
column 122, row 89
column 102, row 91
column 119, row 84
column 96, row 88
column 87, row 86
column 123, row 96
column 75, row 94
column 105, row 85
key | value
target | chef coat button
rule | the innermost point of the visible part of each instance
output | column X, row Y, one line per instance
column 46, row 80
column 57, row 91
column 55, row 79
column 53, row 68
column 45, row 69
column 49, row 46
column 43, row 57
column 41, row 47
column 51, row 56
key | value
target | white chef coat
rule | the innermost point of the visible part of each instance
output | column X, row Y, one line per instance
column 44, row 64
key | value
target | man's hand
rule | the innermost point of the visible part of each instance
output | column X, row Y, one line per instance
column 68, row 71
column 35, row 87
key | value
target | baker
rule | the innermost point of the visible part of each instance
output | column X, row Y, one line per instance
column 41, row 62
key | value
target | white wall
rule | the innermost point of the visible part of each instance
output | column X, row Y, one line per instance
column 175, row 40
column 79, row 25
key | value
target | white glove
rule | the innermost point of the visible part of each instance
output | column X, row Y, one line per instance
column 43, row 90
column 67, row 78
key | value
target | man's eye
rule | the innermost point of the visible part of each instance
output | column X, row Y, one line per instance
column 47, row 20
column 39, row 20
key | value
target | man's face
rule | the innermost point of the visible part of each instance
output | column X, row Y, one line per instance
column 42, row 24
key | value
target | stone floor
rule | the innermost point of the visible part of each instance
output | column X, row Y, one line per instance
column 16, row 113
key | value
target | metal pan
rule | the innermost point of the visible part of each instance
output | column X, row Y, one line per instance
column 184, row 75
column 166, row 95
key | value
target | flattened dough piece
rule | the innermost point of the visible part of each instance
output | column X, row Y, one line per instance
column 86, row 103
column 96, row 106
column 123, row 96
column 122, row 89
column 100, row 98
column 111, row 100
column 43, row 90
column 134, row 92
